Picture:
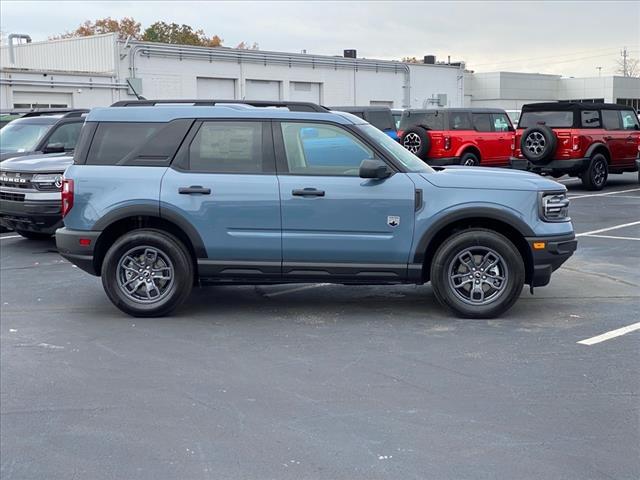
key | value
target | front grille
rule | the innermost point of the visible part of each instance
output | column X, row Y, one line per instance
column 16, row 180
column 14, row 197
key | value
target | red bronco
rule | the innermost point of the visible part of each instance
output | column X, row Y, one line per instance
column 458, row 136
column 586, row 140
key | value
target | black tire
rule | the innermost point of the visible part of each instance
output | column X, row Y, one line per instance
column 33, row 235
column 538, row 144
column 469, row 159
column 596, row 174
column 172, row 259
column 417, row 141
column 502, row 294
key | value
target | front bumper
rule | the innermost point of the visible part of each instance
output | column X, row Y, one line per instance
column 34, row 216
column 81, row 255
column 443, row 162
column 570, row 165
column 556, row 251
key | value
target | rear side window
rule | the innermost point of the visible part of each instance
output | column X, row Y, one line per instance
column 590, row 119
column 460, row 121
column 227, row 147
column 481, row 122
column 629, row 120
column 552, row 119
column 381, row 119
column 611, row 119
column 114, row 141
column 431, row 120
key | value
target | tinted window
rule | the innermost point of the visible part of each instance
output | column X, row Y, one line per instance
column 320, row 149
column 611, row 119
column 460, row 121
column 114, row 141
column 431, row 120
column 67, row 135
column 381, row 119
column 501, row 122
column 482, row 122
column 557, row 119
column 629, row 120
column 227, row 147
column 590, row 118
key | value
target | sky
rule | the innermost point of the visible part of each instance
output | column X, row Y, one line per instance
column 570, row 38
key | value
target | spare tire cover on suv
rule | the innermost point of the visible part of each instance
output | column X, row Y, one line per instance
column 538, row 144
column 417, row 140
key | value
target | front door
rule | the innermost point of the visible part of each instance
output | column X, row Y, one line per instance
column 631, row 129
column 223, row 183
column 334, row 222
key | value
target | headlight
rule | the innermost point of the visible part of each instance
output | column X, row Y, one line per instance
column 554, row 207
column 47, row 181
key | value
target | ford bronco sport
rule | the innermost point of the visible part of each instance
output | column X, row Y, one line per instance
column 159, row 198
column 586, row 140
column 458, row 136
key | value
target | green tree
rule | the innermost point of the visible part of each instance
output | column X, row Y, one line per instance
column 126, row 27
column 179, row 35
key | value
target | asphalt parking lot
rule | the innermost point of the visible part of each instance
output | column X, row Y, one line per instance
column 325, row 381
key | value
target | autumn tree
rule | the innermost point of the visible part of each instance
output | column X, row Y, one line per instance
column 179, row 35
column 409, row 60
column 246, row 46
column 127, row 27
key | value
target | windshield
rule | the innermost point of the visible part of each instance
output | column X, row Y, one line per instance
column 557, row 119
column 394, row 149
column 21, row 137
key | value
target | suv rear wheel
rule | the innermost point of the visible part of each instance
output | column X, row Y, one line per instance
column 147, row 273
column 595, row 176
column 469, row 159
column 538, row 144
column 417, row 141
column 477, row 273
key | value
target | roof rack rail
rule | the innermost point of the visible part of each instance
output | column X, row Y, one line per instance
column 66, row 112
column 292, row 106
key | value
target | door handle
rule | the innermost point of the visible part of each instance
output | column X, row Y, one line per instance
column 307, row 192
column 608, row 138
column 194, row 189
column 630, row 137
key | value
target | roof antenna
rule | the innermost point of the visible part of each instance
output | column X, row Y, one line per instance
column 139, row 97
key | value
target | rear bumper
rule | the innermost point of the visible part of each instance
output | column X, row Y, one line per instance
column 34, row 216
column 556, row 251
column 68, row 243
column 443, row 162
column 566, row 165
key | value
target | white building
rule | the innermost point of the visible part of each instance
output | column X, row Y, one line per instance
column 510, row 90
column 99, row 70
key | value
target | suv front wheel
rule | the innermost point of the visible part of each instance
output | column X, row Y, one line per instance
column 477, row 273
column 595, row 176
column 147, row 273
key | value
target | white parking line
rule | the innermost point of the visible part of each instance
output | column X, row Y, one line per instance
column 612, row 237
column 10, row 236
column 602, row 194
column 607, row 229
column 291, row 290
column 610, row 335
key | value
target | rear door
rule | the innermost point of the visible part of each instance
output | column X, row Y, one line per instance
column 334, row 222
column 223, row 182
column 485, row 138
column 615, row 138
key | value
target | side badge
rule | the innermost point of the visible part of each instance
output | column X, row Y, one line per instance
column 393, row 221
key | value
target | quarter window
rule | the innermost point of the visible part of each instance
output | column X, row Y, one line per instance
column 481, row 122
column 321, row 149
column 611, row 119
column 227, row 147
column 590, row 118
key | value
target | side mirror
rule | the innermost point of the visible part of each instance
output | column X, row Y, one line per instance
column 374, row 169
column 54, row 148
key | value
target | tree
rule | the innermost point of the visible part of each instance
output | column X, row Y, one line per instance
column 127, row 27
column 245, row 46
column 409, row 60
column 179, row 35
column 628, row 66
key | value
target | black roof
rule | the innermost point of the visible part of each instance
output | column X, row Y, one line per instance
column 456, row 109
column 292, row 106
column 355, row 108
column 572, row 106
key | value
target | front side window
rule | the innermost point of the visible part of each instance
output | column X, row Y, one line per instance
column 590, row 119
column 552, row 119
column 18, row 137
column 321, row 149
column 66, row 135
column 227, row 147
column 460, row 121
column 113, row 141
column 501, row 122
column 481, row 122
column 629, row 120
column 611, row 119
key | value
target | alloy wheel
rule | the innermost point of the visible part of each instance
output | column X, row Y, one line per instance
column 412, row 142
column 478, row 275
column 535, row 143
column 145, row 274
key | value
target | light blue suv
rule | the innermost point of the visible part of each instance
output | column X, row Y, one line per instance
column 162, row 197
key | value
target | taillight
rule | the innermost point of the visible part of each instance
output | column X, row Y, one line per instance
column 400, row 133
column 447, row 142
column 67, row 195
column 576, row 139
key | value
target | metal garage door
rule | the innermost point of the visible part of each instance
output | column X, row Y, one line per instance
column 42, row 100
column 262, row 90
column 304, row 92
column 216, row 88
